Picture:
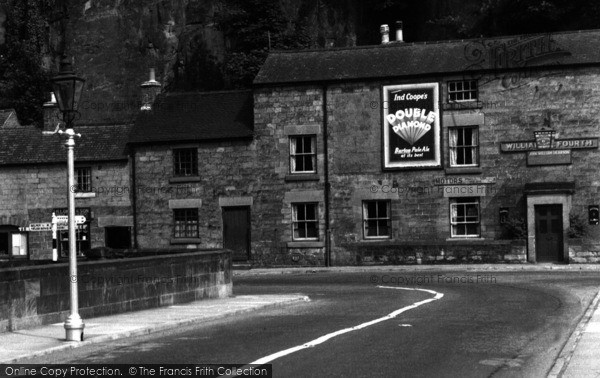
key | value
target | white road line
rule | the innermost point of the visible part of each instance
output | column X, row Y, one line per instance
column 322, row 339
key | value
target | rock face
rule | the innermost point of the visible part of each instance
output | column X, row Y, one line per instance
column 115, row 42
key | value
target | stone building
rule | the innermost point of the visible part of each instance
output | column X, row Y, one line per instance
column 33, row 185
column 194, row 170
column 457, row 151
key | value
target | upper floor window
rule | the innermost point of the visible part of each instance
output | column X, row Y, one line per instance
column 186, row 223
column 464, row 217
column 464, row 146
column 185, row 162
column 305, row 223
column 376, row 219
column 83, row 177
column 462, row 90
column 303, row 155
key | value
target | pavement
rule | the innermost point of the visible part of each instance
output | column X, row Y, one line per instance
column 580, row 356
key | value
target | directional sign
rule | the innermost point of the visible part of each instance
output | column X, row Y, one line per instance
column 79, row 219
column 45, row 227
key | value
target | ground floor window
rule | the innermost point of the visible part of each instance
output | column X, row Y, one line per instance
column 117, row 237
column 305, row 223
column 464, row 217
column 13, row 243
column 376, row 219
column 186, row 223
column 82, row 240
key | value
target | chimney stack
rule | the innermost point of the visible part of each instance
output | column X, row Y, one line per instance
column 399, row 36
column 51, row 114
column 150, row 89
column 385, row 34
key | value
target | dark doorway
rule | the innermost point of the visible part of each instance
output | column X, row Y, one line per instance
column 117, row 237
column 236, row 231
column 4, row 244
column 548, row 233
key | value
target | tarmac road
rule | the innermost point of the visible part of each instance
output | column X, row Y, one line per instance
column 484, row 324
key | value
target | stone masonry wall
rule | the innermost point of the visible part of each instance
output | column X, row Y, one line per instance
column 30, row 193
column 37, row 295
column 512, row 106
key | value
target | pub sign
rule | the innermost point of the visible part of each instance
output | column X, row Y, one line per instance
column 411, row 126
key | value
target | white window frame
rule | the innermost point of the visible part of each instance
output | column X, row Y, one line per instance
column 296, row 222
column 377, row 218
column 455, row 222
column 83, row 179
column 455, row 149
column 312, row 154
column 189, row 227
column 468, row 90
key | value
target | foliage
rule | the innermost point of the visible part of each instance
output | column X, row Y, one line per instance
column 24, row 81
column 515, row 228
column 576, row 226
column 252, row 27
column 508, row 17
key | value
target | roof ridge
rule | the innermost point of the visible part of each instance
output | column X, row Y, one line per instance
column 418, row 43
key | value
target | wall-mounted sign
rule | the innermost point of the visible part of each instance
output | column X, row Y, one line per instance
column 411, row 126
column 549, row 157
column 546, row 150
column 466, row 180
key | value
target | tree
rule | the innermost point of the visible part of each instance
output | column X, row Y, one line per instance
column 23, row 80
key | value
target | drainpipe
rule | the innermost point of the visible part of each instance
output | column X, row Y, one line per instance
column 133, row 197
column 326, row 178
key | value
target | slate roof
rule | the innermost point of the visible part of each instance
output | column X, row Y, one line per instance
column 399, row 59
column 196, row 116
column 5, row 115
column 27, row 145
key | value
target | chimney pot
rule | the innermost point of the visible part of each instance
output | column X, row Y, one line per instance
column 385, row 33
column 150, row 89
column 399, row 36
column 51, row 114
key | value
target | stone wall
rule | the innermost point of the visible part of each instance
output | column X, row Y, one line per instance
column 29, row 194
column 37, row 295
column 511, row 107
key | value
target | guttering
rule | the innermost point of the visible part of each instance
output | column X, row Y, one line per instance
column 133, row 196
column 327, row 184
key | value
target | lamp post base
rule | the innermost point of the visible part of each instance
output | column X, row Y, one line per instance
column 74, row 328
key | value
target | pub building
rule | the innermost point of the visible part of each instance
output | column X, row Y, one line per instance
column 481, row 150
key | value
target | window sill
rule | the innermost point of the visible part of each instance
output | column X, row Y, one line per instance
column 306, row 244
column 378, row 239
column 460, row 105
column 466, row 240
column 186, row 240
column 463, row 171
column 85, row 195
column 177, row 180
column 302, row 177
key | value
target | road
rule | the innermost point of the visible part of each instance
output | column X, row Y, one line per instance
column 456, row 324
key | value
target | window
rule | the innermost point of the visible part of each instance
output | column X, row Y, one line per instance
column 464, row 146
column 304, row 221
column 462, row 90
column 376, row 219
column 464, row 217
column 82, row 240
column 185, row 162
column 186, row 223
column 303, row 154
column 12, row 242
column 83, row 178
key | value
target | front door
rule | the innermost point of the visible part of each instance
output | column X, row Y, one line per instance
column 548, row 233
column 236, row 231
column 118, row 237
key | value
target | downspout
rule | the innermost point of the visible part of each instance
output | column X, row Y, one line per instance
column 133, row 197
column 326, row 179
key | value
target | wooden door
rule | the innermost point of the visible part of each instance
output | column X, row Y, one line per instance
column 236, row 231
column 548, row 233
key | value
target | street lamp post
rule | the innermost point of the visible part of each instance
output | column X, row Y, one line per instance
column 67, row 89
